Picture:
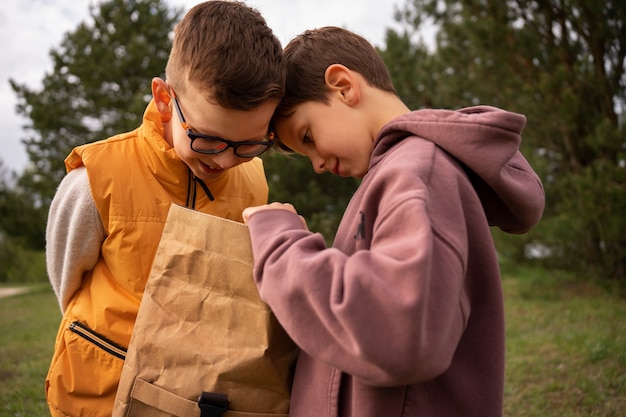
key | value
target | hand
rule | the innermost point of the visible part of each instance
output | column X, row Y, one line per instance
column 272, row 206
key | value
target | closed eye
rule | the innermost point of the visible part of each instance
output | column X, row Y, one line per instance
column 307, row 138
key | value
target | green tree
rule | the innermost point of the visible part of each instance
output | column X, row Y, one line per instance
column 21, row 216
column 99, row 86
column 562, row 64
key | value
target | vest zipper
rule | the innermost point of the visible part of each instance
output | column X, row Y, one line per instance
column 102, row 342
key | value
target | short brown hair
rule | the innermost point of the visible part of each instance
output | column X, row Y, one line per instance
column 308, row 55
column 226, row 50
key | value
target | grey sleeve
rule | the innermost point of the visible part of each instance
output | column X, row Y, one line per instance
column 74, row 235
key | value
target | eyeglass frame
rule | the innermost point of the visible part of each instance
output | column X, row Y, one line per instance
column 193, row 136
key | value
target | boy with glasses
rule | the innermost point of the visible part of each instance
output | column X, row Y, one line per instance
column 404, row 315
column 196, row 147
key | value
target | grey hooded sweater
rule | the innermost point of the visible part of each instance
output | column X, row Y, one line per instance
column 403, row 315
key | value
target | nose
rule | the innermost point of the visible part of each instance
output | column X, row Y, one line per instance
column 319, row 164
column 227, row 159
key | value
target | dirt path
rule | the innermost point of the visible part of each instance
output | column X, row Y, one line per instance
column 7, row 292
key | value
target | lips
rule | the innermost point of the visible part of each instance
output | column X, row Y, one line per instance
column 335, row 169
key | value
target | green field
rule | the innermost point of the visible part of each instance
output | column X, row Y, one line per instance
column 28, row 325
column 566, row 348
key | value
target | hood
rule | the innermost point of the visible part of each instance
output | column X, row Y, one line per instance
column 486, row 141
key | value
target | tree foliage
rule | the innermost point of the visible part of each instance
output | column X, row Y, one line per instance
column 22, row 222
column 99, row 86
column 561, row 63
column 21, row 216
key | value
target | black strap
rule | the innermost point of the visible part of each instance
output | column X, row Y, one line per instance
column 212, row 404
column 205, row 188
column 191, row 190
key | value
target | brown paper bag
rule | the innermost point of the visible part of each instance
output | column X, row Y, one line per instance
column 202, row 327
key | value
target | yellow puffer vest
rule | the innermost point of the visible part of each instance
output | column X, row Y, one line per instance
column 134, row 178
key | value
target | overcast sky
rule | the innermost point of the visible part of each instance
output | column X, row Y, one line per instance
column 30, row 28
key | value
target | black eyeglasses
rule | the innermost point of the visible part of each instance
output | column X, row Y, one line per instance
column 212, row 145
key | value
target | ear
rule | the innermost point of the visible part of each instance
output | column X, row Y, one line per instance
column 162, row 98
column 341, row 80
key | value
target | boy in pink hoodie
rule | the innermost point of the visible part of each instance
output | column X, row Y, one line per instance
column 403, row 315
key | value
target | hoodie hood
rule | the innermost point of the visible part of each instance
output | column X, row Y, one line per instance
column 486, row 141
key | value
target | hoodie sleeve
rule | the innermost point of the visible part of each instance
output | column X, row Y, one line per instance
column 74, row 235
column 380, row 314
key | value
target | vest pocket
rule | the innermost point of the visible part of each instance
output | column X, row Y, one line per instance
column 83, row 375
column 97, row 339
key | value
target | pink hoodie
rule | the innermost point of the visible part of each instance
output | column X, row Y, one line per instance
column 403, row 316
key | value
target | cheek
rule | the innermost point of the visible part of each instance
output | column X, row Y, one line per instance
column 353, row 148
column 182, row 148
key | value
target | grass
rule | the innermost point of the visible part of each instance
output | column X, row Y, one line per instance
column 28, row 325
column 566, row 348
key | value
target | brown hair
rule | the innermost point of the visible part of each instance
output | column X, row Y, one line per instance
column 308, row 55
column 226, row 50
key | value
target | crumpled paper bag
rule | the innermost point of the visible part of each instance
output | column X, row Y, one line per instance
column 202, row 327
